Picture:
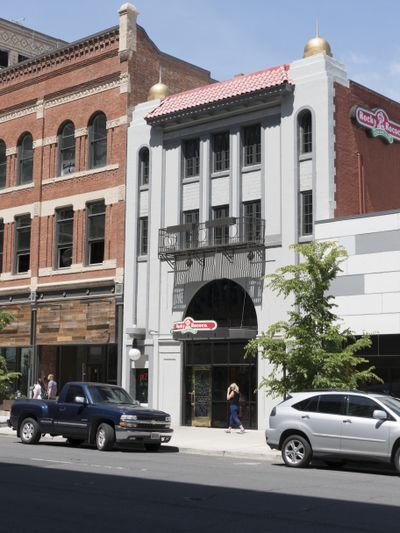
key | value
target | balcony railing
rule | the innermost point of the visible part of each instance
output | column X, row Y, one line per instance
column 219, row 234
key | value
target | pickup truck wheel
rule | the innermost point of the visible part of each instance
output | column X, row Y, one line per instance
column 30, row 431
column 105, row 437
column 296, row 451
column 152, row 446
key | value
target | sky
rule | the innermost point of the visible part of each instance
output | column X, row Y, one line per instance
column 228, row 37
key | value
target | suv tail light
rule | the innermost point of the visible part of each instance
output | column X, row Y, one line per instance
column 273, row 412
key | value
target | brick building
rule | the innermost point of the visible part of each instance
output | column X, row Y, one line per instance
column 63, row 131
column 239, row 171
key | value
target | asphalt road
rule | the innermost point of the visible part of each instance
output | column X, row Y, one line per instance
column 52, row 487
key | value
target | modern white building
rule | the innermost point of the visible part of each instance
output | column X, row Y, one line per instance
column 221, row 181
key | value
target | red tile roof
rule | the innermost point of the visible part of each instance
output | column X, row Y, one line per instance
column 216, row 92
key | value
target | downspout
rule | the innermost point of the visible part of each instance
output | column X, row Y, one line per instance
column 360, row 184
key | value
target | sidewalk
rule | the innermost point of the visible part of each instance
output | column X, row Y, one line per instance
column 205, row 441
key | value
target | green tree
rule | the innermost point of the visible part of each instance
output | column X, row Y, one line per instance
column 6, row 378
column 311, row 350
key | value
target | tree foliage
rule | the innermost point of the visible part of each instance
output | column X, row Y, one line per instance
column 311, row 350
column 6, row 378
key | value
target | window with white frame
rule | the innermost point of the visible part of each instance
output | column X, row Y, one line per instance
column 22, row 244
column 144, row 166
column 306, row 210
column 221, row 231
column 191, row 158
column 251, row 142
column 221, row 155
column 64, row 236
column 252, row 221
column 191, row 236
column 305, row 132
column 95, row 231
column 143, row 235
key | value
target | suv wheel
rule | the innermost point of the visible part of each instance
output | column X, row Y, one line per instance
column 296, row 451
column 396, row 459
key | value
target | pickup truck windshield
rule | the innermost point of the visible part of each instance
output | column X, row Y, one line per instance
column 104, row 394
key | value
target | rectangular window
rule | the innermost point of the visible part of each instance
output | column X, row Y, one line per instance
column 252, row 145
column 3, row 58
column 191, row 236
column 306, row 213
column 95, row 225
column 22, row 249
column 221, row 232
column 1, row 244
column 191, row 158
column 306, row 133
column 221, row 156
column 64, row 236
column 252, row 221
column 143, row 235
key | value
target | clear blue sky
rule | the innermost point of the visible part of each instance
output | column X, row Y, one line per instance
column 231, row 36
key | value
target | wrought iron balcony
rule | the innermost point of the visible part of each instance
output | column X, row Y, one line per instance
column 221, row 234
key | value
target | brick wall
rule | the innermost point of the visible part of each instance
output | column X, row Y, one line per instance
column 370, row 181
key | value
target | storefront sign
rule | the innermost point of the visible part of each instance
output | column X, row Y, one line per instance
column 377, row 123
column 188, row 325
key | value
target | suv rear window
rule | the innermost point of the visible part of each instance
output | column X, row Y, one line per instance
column 309, row 404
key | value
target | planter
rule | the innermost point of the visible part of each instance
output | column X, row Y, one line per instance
column 6, row 406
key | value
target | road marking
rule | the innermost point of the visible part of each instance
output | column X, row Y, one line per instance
column 51, row 461
column 247, row 464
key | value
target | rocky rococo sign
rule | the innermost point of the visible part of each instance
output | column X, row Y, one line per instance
column 188, row 325
column 377, row 123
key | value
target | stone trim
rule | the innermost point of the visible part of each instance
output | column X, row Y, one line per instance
column 89, row 91
column 11, row 151
column 81, row 132
column 18, row 113
column 77, row 268
column 8, row 276
column 50, row 140
column 117, row 122
column 80, row 174
column 15, row 189
column 37, row 143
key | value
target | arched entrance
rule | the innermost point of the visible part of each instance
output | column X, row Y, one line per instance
column 214, row 359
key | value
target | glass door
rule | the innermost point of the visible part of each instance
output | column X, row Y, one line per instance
column 201, row 396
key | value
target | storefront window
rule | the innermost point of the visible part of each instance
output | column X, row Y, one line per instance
column 142, row 382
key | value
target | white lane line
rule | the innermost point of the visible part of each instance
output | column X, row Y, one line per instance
column 51, row 461
column 247, row 464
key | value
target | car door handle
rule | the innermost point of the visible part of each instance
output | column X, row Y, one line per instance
column 305, row 416
column 62, row 409
column 347, row 421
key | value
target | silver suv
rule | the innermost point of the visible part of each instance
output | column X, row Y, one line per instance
column 336, row 425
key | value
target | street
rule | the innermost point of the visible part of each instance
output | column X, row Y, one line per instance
column 54, row 487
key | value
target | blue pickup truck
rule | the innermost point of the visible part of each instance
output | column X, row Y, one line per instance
column 96, row 413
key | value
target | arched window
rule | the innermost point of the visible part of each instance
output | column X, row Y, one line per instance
column 97, row 141
column 305, row 132
column 144, row 157
column 25, row 159
column 66, row 149
column 3, row 164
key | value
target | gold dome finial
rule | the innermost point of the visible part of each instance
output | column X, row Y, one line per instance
column 317, row 45
column 159, row 90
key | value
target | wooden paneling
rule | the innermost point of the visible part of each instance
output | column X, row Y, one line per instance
column 19, row 332
column 76, row 322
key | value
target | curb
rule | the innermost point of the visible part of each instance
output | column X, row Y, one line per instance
column 268, row 458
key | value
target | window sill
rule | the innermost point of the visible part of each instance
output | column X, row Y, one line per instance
column 17, row 188
column 193, row 179
column 77, row 268
column 142, row 258
column 306, row 157
column 251, row 168
column 8, row 276
column 81, row 174
column 220, row 174
column 306, row 238
column 144, row 188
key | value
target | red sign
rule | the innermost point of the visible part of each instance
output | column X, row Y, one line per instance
column 378, row 123
column 188, row 325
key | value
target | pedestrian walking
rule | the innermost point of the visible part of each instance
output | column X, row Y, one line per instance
column 38, row 390
column 232, row 395
column 51, row 387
